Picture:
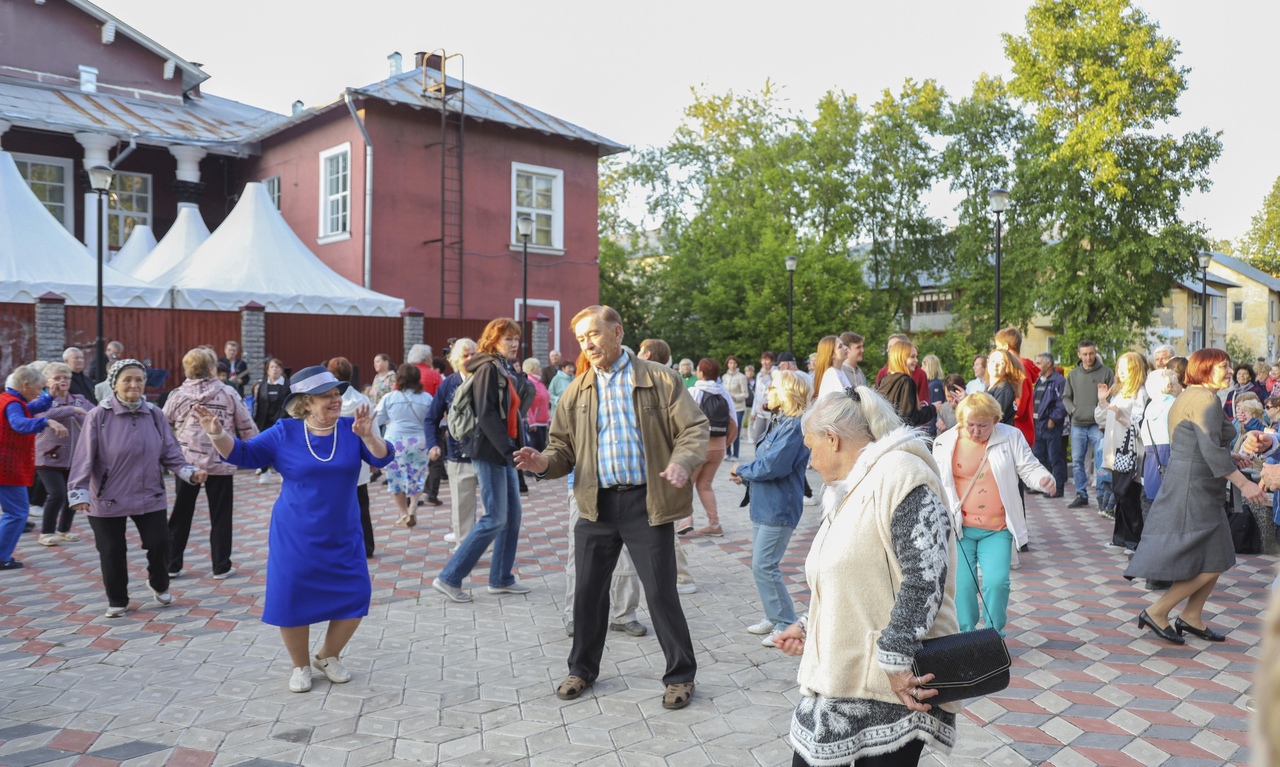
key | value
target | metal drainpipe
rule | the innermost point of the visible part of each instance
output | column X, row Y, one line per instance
column 368, row 191
column 133, row 144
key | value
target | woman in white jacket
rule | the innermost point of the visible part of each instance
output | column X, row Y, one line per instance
column 1121, row 406
column 981, row 461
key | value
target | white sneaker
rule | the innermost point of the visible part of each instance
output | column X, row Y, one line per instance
column 453, row 593
column 763, row 627
column 301, row 680
column 686, row 588
column 333, row 669
column 768, row 641
column 164, row 598
column 265, row 477
column 450, row 538
column 514, row 588
column 116, row 612
column 223, row 576
column 48, row 540
column 814, row 501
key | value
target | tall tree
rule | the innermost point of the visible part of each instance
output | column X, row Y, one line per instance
column 1261, row 244
column 1098, row 187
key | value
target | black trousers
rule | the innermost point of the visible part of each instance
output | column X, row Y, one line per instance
column 1050, row 450
column 57, row 514
column 623, row 519
column 366, row 522
column 219, row 490
column 1129, row 518
column 108, row 536
column 436, row 474
column 907, row 756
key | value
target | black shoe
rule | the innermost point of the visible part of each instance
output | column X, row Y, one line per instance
column 1158, row 585
column 12, row 564
column 1079, row 503
column 435, row 501
column 1182, row 627
column 1057, row 494
column 1167, row 633
column 1024, row 548
column 28, row 526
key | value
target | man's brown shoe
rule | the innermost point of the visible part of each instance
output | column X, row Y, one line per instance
column 572, row 687
column 677, row 695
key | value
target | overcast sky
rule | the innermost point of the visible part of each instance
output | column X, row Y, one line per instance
column 625, row 70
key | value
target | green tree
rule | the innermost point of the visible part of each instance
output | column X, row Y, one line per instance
column 1097, row 186
column 1261, row 244
column 625, row 266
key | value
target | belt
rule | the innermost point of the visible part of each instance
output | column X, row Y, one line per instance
column 621, row 488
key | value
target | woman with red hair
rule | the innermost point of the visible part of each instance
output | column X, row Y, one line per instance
column 1186, row 539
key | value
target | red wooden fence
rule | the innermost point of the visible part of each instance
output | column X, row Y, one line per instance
column 17, row 336
column 439, row 331
column 160, row 335
column 300, row 340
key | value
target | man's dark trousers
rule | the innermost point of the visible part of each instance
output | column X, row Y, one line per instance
column 1050, row 452
column 622, row 518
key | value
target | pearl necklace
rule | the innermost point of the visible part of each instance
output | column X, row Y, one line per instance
column 306, row 430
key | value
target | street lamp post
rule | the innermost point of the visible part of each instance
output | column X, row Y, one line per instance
column 100, row 181
column 524, row 227
column 1205, row 258
column 999, row 203
column 791, row 300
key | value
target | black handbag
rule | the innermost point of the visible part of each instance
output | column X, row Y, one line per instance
column 969, row 664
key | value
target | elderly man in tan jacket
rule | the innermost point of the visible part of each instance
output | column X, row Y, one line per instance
column 633, row 435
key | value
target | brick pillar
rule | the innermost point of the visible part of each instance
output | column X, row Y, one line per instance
column 51, row 327
column 541, row 337
column 253, row 338
column 414, row 327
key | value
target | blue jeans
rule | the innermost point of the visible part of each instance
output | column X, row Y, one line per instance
column 1048, row 450
column 768, row 544
column 1082, row 438
column 14, row 508
column 737, row 443
column 500, row 525
column 989, row 551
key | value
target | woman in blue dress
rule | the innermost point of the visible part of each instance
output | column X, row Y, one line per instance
column 316, row 569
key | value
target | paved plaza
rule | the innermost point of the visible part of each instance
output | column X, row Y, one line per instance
column 204, row 682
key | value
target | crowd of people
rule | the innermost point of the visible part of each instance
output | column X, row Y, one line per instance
column 923, row 471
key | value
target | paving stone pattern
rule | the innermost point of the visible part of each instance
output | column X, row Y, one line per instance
column 204, row 682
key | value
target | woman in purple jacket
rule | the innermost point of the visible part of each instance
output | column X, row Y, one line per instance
column 117, row 474
column 53, row 454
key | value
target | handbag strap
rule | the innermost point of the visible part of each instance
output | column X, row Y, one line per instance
column 1146, row 424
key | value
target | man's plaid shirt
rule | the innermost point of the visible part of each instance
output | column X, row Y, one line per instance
column 621, row 450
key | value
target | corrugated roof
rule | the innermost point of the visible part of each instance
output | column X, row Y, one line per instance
column 1243, row 267
column 483, row 104
column 207, row 121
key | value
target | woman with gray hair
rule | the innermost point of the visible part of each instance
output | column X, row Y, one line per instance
column 420, row 355
column 19, row 404
column 883, row 504
column 54, row 451
column 462, row 475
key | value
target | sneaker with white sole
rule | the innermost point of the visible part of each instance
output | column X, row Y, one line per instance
column 450, row 538
column 686, row 588
column 768, row 641
column 116, row 612
column 163, row 598
column 453, row 593
column 223, row 576
column 514, row 588
column 333, row 669
column 68, row 537
column 300, row 681
column 763, row 627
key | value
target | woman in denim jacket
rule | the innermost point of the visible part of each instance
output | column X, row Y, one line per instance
column 777, row 498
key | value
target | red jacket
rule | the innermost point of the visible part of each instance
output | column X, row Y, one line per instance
column 430, row 377
column 1025, row 418
column 17, row 450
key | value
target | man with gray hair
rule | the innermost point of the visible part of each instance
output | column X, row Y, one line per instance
column 81, row 383
column 1050, row 415
column 1161, row 355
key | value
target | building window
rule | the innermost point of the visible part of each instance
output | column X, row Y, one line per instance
column 1197, row 340
column 50, row 180
column 538, row 193
column 128, row 204
column 1273, row 310
column 273, row 189
column 933, row 303
column 1196, row 301
column 1237, row 311
column 335, row 193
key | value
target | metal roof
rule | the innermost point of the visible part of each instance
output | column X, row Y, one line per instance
column 1243, row 267
column 192, row 75
column 483, row 105
column 206, row 120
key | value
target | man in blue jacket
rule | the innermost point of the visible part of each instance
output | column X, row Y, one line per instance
column 1050, row 414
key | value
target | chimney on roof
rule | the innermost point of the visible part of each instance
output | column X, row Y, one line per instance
column 396, row 63
column 88, row 79
column 419, row 59
column 298, row 107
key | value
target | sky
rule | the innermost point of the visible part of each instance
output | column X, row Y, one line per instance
column 626, row 70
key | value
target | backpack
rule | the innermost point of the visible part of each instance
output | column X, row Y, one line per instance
column 461, row 421
column 717, row 412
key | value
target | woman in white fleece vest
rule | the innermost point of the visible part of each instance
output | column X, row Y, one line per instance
column 881, row 573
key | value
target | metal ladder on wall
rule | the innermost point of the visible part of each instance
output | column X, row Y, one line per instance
column 453, row 112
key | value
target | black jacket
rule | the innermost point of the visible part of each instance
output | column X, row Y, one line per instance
column 491, row 398
column 901, row 392
column 81, row 384
column 268, row 402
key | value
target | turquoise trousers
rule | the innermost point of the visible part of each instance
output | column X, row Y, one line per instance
column 989, row 552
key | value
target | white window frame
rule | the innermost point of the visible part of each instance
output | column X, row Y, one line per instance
column 272, row 183
column 557, row 209
column 323, row 234
column 1237, row 311
column 68, row 219
column 114, row 212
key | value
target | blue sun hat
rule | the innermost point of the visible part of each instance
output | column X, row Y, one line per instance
column 313, row 380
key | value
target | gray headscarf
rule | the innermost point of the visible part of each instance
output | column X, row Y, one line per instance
column 113, row 373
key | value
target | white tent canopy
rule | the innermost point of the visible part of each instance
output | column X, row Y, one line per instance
column 38, row 255
column 183, row 238
column 141, row 242
column 255, row 256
